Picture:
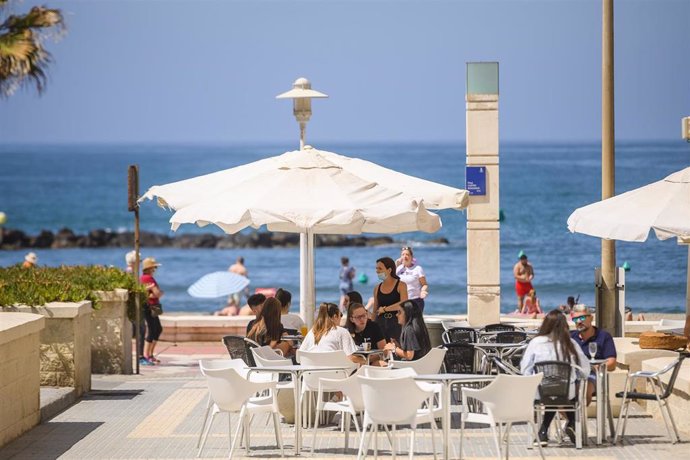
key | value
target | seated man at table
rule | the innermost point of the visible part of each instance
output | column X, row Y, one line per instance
column 586, row 334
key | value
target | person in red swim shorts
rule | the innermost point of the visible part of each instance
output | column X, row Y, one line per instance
column 523, row 273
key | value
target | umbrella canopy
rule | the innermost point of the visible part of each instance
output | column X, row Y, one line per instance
column 309, row 191
column 218, row 284
column 662, row 206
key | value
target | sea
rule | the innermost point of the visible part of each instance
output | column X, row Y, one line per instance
column 84, row 187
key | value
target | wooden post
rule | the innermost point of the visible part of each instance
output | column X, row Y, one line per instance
column 133, row 205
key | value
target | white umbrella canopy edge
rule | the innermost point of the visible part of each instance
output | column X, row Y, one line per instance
column 662, row 206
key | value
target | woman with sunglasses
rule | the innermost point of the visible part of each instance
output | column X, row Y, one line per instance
column 414, row 338
column 413, row 275
column 387, row 297
column 327, row 335
column 362, row 329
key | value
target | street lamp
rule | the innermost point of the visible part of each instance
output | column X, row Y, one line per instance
column 301, row 95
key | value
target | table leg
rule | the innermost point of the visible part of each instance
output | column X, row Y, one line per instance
column 600, row 407
column 446, row 418
column 298, row 413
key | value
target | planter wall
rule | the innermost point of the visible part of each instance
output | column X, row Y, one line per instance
column 19, row 374
column 111, row 334
column 65, row 349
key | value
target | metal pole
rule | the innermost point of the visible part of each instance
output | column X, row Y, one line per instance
column 607, row 315
column 137, row 314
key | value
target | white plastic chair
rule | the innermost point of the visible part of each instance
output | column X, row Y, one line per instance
column 508, row 399
column 238, row 364
column 232, row 393
column 665, row 324
column 352, row 404
column 310, row 380
column 267, row 357
column 394, row 401
column 429, row 364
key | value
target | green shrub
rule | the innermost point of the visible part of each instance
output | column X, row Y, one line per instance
column 40, row 285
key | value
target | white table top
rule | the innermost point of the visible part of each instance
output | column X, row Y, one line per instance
column 296, row 368
column 454, row 377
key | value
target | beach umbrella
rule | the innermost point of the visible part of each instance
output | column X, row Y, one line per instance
column 662, row 206
column 218, row 284
column 309, row 191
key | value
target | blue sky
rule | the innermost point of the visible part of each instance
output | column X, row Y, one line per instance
column 208, row 71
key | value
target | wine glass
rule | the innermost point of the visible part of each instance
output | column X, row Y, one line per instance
column 592, row 350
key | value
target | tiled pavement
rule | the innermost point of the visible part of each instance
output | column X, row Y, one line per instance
column 159, row 413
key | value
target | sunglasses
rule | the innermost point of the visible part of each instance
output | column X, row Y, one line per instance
column 578, row 319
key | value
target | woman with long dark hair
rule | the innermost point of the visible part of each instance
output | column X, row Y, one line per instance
column 388, row 295
column 553, row 343
column 414, row 336
column 268, row 330
column 327, row 335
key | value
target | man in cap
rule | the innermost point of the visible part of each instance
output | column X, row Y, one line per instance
column 585, row 334
column 524, row 274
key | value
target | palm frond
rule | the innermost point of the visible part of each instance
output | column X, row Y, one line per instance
column 23, row 60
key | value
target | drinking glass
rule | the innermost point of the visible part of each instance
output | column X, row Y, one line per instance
column 592, row 350
column 304, row 330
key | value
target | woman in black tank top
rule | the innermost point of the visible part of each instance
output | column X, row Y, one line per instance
column 387, row 297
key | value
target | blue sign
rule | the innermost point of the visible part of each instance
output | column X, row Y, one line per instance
column 475, row 180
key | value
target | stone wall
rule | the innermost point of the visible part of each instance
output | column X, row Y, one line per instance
column 65, row 349
column 19, row 374
column 111, row 334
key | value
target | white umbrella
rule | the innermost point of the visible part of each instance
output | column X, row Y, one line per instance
column 662, row 206
column 309, row 191
column 218, row 284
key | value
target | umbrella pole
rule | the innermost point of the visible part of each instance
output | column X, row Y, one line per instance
column 306, row 281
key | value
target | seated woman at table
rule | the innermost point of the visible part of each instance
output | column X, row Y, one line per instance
column 553, row 343
column 268, row 330
column 414, row 337
column 362, row 329
column 327, row 335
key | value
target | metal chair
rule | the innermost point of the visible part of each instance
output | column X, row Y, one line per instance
column 248, row 345
column 660, row 394
column 459, row 334
column 498, row 327
column 511, row 337
column 459, row 358
column 235, row 346
column 504, row 367
column 554, row 392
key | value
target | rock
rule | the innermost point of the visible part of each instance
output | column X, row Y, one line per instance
column 14, row 239
column 64, row 238
column 42, row 240
column 191, row 240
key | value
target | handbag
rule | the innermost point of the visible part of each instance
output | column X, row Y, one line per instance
column 156, row 309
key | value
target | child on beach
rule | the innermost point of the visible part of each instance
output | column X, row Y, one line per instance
column 531, row 305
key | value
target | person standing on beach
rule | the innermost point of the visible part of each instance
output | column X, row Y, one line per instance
column 346, row 275
column 239, row 269
column 153, row 322
column 414, row 277
column 388, row 295
column 524, row 274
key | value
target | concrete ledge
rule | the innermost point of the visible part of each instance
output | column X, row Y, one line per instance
column 198, row 328
column 15, row 325
column 55, row 400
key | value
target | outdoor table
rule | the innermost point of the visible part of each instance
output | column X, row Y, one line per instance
column 296, row 371
column 367, row 354
column 296, row 339
column 489, row 350
column 448, row 380
column 603, row 401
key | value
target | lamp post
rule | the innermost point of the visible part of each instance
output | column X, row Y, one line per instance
column 301, row 95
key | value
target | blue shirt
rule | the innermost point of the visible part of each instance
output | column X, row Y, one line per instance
column 605, row 346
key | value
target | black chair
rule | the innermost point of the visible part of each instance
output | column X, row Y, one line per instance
column 459, row 358
column 554, row 393
column 511, row 337
column 459, row 334
column 660, row 394
column 236, row 347
column 498, row 327
column 248, row 345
